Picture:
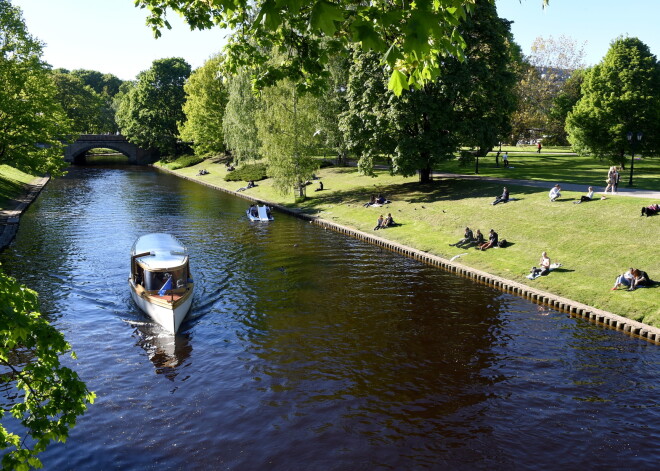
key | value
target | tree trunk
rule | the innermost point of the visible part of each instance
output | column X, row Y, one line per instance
column 425, row 175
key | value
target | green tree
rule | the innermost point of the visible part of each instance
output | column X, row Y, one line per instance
column 411, row 37
column 103, row 84
column 621, row 94
column 287, row 125
column 33, row 126
column 487, row 79
column 365, row 122
column 46, row 397
column 332, row 103
column 543, row 76
column 206, row 99
column 82, row 105
column 239, row 121
column 150, row 110
column 468, row 104
column 563, row 104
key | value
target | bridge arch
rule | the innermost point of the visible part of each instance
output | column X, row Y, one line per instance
column 75, row 153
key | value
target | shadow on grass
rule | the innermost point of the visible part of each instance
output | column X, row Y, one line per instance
column 9, row 189
column 450, row 189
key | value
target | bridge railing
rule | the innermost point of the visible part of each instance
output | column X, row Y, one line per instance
column 101, row 137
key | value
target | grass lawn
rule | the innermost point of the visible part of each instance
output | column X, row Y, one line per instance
column 558, row 168
column 12, row 184
column 595, row 241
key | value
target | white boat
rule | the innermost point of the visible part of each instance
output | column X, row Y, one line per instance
column 259, row 213
column 160, row 282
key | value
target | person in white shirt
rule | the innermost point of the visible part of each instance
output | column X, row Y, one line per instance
column 554, row 193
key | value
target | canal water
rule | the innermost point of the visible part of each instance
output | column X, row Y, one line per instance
column 308, row 350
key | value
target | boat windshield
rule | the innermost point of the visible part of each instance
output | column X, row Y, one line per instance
column 155, row 280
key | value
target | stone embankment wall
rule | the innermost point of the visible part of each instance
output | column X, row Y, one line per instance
column 573, row 308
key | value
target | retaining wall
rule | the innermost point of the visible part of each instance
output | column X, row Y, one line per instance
column 573, row 308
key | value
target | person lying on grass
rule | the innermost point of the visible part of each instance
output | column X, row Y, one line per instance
column 650, row 210
column 589, row 196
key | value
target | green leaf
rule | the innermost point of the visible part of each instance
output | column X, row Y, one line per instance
column 392, row 55
column 364, row 32
column 323, row 17
column 398, row 82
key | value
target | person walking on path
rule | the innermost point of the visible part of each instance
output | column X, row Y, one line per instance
column 612, row 176
column 538, row 147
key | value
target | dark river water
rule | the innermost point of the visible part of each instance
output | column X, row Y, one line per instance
column 308, row 350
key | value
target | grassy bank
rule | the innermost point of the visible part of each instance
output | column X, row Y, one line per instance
column 12, row 184
column 594, row 241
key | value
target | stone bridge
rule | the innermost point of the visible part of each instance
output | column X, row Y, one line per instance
column 75, row 153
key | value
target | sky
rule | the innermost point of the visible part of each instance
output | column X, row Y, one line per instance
column 111, row 36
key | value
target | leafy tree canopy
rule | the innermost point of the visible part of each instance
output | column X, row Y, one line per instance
column 149, row 111
column 33, row 126
column 82, row 105
column 206, row 98
column 468, row 104
column 286, row 125
column 621, row 94
column 45, row 397
column 239, row 121
column 410, row 37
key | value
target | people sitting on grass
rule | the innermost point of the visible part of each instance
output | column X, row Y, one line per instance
column 650, row 210
column 624, row 280
column 503, row 198
column 320, row 188
column 544, row 266
column 379, row 223
column 478, row 238
column 203, row 172
column 492, row 241
column 249, row 185
column 389, row 220
column 632, row 279
column 588, row 197
column 466, row 241
column 554, row 193
column 640, row 279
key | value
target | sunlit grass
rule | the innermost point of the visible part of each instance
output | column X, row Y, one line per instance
column 12, row 184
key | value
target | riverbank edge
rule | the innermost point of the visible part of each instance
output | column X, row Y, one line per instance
column 569, row 306
column 10, row 218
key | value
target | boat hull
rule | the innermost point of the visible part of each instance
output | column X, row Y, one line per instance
column 169, row 315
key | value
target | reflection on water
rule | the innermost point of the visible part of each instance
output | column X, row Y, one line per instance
column 306, row 350
column 165, row 350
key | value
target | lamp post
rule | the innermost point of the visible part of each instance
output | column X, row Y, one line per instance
column 633, row 138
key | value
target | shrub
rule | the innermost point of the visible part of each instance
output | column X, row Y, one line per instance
column 254, row 172
column 182, row 162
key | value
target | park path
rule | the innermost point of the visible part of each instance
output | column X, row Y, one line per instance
column 580, row 187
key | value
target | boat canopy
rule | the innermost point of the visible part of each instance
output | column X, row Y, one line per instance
column 163, row 252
